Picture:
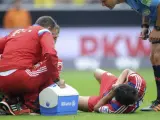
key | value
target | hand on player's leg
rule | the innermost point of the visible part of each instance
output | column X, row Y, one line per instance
column 154, row 36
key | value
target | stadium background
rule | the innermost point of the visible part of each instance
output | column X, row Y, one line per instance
column 92, row 36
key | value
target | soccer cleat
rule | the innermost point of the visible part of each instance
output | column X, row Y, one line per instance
column 155, row 106
column 2, row 112
column 14, row 109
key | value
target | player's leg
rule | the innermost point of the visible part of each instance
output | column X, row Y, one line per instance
column 83, row 103
column 98, row 74
column 13, row 106
column 31, row 100
column 155, row 60
column 107, row 80
column 38, row 83
column 28, row 81
column 87, row 103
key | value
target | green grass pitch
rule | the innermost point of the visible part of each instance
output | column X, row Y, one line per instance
column 85, row 83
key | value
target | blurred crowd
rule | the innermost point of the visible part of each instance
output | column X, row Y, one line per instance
column 16, row 11
column 35, row 2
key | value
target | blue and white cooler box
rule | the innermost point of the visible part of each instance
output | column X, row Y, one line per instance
column 56, row 101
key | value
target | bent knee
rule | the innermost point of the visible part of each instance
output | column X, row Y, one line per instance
column 155, row 58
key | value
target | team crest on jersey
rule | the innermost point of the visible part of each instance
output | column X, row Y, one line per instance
column 147, row 2
column 146, row 12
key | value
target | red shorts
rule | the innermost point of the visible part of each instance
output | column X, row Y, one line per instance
column 107, row 80
column 27, row 83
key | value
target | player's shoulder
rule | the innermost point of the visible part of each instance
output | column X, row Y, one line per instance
column 36, row 27
column 135, row 74
column 137, row 81
column 39, row 29
column 134, row 77
column 116, row 107
column 11, row 32
column 119, row 108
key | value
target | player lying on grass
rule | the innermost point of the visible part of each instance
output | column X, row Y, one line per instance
column 150, row 11
column 28, row 65
column 117, row 95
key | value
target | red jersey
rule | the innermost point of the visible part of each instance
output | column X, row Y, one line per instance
column 23, row 48
column 113, row 106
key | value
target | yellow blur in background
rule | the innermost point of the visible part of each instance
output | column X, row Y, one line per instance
column 79, row 2
column 44, row 3
column 51, row 3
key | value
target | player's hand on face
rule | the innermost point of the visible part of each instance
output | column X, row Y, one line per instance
column 154, row 36
column 144, row 33
column 61, row 84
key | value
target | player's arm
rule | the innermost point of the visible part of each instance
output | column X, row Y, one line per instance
column 145, row 21
column 123, row 77
column 157, row 27
column 156, row 4
column 50, row 55
column 145, row 27
column 155, row 34
column 104, row 100
column 3, row 41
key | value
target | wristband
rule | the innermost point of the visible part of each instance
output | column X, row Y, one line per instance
column 157, row 28
column 144, row 26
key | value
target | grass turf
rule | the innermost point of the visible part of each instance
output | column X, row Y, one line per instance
column 85, row 83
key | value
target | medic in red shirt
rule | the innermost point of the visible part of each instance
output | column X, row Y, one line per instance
column 29, row 62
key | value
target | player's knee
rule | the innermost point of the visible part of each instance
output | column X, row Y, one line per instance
column 96, row 74
column 155, row 58
column 152, row 57
column 126, row 70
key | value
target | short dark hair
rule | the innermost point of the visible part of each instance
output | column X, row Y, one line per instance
column 126, row 94
column 46, row 21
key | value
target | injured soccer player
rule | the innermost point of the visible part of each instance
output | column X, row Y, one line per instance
column 121, row 94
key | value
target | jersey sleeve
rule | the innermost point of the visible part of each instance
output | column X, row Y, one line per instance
column 3, row 41
column 113, row 108
column 46, row 41
column 136, row 81
column 105, row 109
column 150, row 3
column 49, row 52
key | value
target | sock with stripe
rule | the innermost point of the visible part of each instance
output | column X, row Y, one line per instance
column 156, row 69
